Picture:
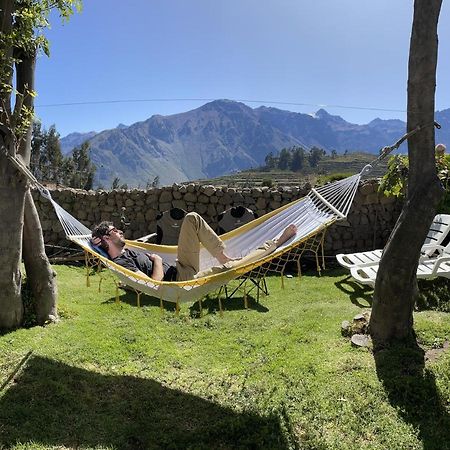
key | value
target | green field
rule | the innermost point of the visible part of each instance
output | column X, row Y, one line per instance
column 277, row 375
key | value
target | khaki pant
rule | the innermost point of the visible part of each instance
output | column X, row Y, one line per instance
column 195, row 231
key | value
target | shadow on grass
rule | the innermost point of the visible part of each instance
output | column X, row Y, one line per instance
column 210, row 304
column 54, row 404
column 235, row 303
column 356, row 292
column 412, row 390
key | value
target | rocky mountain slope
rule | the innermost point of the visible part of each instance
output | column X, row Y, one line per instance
column 221, row 137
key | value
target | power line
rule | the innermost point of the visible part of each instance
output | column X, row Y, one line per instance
column 269, row 102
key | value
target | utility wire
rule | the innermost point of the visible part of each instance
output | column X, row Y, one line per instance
column 269, row 102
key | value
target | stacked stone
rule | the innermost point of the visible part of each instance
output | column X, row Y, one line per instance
column 369, row 222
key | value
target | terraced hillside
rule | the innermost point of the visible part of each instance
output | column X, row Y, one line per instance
column 342, row 165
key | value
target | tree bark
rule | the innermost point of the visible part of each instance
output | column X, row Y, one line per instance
column 6, row 14
column 40, row 275
column 12, row 195
column 396, row 285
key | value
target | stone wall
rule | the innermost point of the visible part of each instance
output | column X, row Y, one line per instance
column 369, row 222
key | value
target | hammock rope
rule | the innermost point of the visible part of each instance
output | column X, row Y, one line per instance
column 312, row 214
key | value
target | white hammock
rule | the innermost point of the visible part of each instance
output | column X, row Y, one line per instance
column 311, row 214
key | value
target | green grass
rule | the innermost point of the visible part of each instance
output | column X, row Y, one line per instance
column 276, row 376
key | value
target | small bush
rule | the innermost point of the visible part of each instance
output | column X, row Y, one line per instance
column 324, row 179
column 434, row 294
column 267, row 182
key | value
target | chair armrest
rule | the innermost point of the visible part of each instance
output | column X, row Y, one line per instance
column 147, row 237
column 363, row 277
column 432, row 248
column 428, row 249
column 438, row 263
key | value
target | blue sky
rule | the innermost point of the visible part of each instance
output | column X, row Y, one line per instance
column 310, row 52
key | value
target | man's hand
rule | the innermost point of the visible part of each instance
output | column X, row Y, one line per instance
column 158, row 271
column 96, row 241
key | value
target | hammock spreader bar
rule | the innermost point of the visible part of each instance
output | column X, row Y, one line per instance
column 335, row 210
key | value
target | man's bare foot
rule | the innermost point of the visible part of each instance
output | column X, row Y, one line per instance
column 289, row 231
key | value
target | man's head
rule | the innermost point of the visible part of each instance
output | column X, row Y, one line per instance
column 106, row 235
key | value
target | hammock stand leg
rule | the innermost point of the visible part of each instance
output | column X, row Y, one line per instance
column 245, row 295
column 265, row 288
column 259, row 282
column 201, row 307
column 138, row 298
column 117, row 292
column 318, row 264
column 161, row 304
column 261, row 285
column 322, row 245
column 100, row 285
column 177, row 308
column 219, row 299
column 86, row 261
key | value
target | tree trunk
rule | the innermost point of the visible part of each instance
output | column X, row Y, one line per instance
column 40, row 275
column 12, row 195
column 396, row 285
column 6, row 53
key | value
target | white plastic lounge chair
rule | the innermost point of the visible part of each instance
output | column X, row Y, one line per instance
column 428, row 267
column 438, row 231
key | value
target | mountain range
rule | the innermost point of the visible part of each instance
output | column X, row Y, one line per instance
column 225, row 136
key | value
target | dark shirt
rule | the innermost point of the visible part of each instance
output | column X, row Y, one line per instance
column 134, row 261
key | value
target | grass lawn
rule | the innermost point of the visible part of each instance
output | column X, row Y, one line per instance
column 276, row 376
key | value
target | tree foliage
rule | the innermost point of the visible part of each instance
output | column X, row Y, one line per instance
column 295, row 158
column 315, row 155
column 48, row 164
column 395, row 181
column 23, row 22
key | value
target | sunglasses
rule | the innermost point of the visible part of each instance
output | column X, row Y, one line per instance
column 115, row 230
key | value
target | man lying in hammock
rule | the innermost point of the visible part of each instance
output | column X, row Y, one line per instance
column 194, row 231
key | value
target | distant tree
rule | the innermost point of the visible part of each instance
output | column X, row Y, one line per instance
column 48, row 164
column 333, row 153
column 116, row 183
column 298, row 159
column 315, row 155
column 82, row 171
column 51, row 159
column 284, row 160
column 37, row 144
column 271, row 161
column 154, row 183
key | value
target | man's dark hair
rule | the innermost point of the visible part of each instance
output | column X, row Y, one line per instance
column 100, row 230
